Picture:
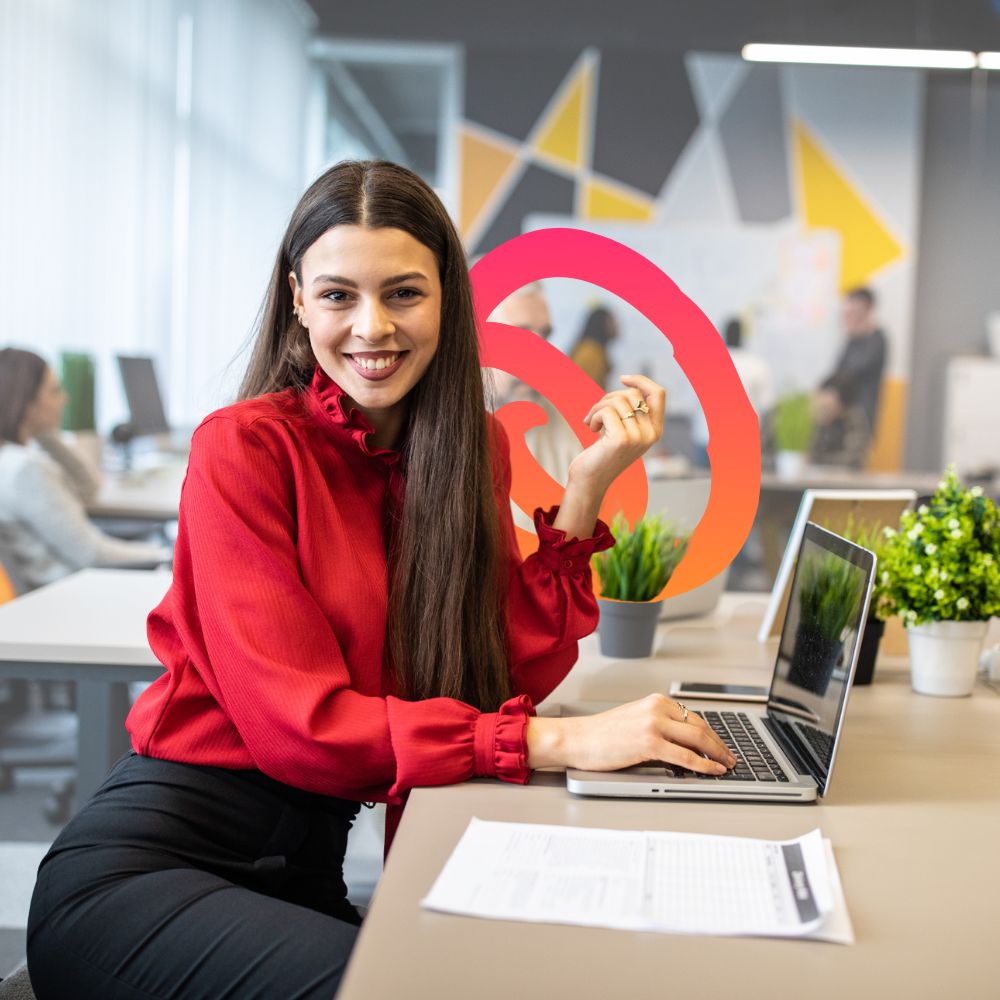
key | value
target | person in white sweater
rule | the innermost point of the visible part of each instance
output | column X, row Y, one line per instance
column 44, row 486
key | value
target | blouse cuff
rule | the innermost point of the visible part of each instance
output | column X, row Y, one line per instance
column 501, row 741
column 562, row 555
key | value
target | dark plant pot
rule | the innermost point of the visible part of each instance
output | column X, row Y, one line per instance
column 868, row 653
column 627, row 628
column 816, row 658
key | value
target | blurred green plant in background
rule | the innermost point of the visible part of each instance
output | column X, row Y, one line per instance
column 793, row 423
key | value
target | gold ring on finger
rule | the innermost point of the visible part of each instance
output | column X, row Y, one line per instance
column 684, row 709
column 641, row 407
column 629, row 416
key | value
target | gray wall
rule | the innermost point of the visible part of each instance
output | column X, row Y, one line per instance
column 958, row 263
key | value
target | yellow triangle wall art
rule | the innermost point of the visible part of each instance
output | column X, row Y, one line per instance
column 603, row 201
column 830, row 201
column 563, row 134
column 485, row 163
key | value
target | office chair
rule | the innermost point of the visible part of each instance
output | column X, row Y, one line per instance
column 21, row 743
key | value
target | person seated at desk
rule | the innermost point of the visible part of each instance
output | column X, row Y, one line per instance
column 845, row 406
column 44, row 485
column 349, row 619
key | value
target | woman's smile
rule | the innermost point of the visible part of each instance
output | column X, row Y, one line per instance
column 376, row 365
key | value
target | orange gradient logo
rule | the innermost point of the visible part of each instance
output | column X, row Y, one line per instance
column 734, row 437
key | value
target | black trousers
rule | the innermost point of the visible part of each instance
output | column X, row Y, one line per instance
column 181, row 881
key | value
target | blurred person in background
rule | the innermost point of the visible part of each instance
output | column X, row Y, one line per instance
column 553, row 444
column 845, row 406
column 590, row 351
column 44, row 486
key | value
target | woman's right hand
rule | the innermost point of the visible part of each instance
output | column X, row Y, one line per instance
column 652, row 728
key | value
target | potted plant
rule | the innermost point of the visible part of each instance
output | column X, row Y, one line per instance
column 870, row 537
column 941, row 572
column 792, row 434
column 632, row 573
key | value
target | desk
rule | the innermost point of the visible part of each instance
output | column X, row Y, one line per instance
column 913, row 813
column 149, row 495
column 827, row 477
column 89, row 628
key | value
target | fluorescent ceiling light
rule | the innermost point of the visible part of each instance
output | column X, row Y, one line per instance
column 989, row 60
column 843, row 55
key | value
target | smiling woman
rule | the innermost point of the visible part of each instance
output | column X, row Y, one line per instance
column 375, row 331
column 349, row 618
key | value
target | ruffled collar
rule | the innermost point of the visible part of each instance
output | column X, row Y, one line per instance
column 346, row 419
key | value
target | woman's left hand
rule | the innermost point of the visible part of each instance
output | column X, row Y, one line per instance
column 629, row 421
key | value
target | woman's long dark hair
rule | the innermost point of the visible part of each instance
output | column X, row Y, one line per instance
column 21, row 377
column 447, row 587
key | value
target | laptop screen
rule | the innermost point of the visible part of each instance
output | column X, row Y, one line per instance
column 818, row 649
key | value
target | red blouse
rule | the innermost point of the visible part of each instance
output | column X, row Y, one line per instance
column 272, row 632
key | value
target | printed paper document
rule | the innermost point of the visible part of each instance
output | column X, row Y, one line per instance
column 634, row 880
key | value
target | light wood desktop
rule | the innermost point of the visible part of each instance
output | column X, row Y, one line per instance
column 913, row 814
column 152, row 494
column 89, row 628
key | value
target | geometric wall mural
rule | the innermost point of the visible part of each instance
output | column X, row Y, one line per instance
column 752, row 132
column 548, row 167
column 830, row 201
column 710, row 140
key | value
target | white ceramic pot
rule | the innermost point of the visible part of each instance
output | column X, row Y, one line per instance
column 789, row 464
column 944, row 657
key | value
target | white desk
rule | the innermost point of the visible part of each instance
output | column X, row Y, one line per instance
column 914, row 816
column 89, row 628
column 148, row 495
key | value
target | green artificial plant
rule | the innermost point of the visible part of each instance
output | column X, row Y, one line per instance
column 943, row 562
column 871, row 537
column 793, row 425
column 643, row 559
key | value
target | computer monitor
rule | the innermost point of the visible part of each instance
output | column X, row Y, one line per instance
column 146, row 414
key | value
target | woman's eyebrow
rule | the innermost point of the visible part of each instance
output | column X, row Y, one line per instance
column 336, row 279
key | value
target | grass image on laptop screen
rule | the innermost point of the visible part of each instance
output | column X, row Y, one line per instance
column 830, row 598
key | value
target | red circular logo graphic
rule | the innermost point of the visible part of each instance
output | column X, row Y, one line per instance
column 734, row 436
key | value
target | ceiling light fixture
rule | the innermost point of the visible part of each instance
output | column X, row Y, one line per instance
column 843, row 55
column 989, row 60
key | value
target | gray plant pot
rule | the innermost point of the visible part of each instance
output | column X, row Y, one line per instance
column 627, row 628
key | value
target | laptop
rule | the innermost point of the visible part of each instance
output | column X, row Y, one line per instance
column 787, row 749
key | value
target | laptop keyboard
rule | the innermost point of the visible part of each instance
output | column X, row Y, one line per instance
column 754, row 760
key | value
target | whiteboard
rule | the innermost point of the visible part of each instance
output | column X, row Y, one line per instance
column 779, row 277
